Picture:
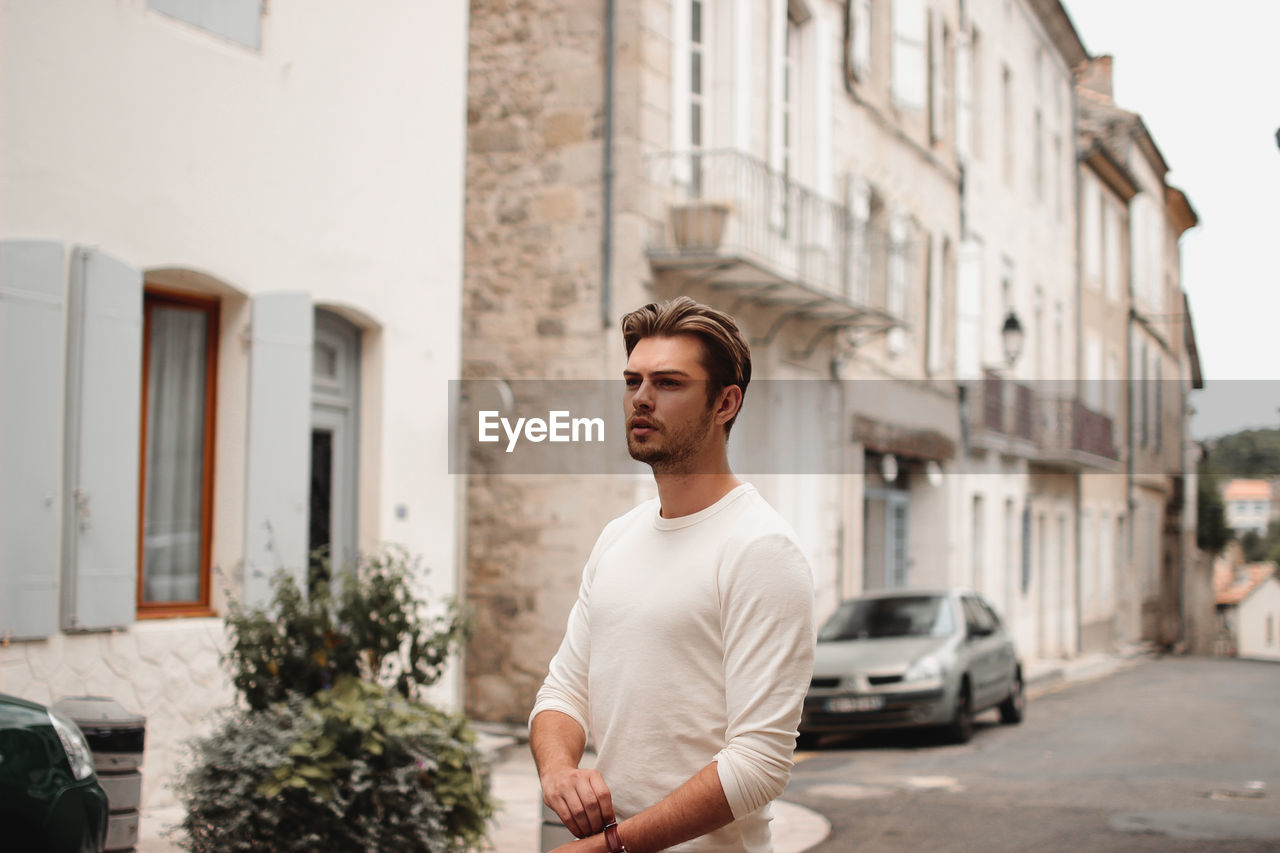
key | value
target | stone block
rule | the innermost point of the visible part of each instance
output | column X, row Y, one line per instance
column 558, row 204
column 562, row 129
column 495, row 139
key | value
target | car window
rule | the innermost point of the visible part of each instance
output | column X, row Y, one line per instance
column 976, row 617
column 992, row 616
column 895, row 616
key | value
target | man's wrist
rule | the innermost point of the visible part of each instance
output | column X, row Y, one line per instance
column 613, row 839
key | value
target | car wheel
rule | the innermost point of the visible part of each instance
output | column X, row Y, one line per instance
column 1014, row 707
column 806, row 741
column 960, row 730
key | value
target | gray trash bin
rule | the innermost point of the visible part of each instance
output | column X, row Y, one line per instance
column 117, row 738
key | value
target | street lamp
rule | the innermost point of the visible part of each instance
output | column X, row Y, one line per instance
column 1011, row 337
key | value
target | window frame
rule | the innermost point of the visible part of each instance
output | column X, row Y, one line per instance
column 154, row 296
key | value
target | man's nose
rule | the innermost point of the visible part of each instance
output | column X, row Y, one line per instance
column 643, row 396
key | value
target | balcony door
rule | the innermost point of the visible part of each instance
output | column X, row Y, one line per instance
column 335, row 442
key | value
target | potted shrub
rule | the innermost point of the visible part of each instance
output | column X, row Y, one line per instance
column 330, row 746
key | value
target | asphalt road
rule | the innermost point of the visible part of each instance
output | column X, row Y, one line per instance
column 1156, row 757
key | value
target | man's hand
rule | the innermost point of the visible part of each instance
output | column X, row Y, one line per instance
column 580, row 798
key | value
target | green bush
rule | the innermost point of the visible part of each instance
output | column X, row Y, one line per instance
column 367, row 623
column 331, row 748
column 354, row 767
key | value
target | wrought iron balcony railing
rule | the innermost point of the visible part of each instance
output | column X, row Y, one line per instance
column 1054, row 429
column 726, row 204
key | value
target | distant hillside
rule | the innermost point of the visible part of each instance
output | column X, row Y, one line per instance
column 1251, row 453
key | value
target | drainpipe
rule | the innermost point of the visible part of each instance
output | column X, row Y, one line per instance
column 1079, row 289
column 606, row 244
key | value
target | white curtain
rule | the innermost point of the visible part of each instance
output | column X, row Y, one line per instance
column 175, row 451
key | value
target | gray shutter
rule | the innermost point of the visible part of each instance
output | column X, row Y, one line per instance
column 33, row 277
column 279, row 448
column 237, row 20
column 104, row 402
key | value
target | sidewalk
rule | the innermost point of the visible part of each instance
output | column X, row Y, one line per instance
column 1041, row 676
column 517, row 827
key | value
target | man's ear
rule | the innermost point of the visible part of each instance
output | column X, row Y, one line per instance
column 729, row 401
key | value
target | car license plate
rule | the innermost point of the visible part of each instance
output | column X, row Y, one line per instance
column 854, row 704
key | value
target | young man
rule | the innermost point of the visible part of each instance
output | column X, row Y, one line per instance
column 690, row 648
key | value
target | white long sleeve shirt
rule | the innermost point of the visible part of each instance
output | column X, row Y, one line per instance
column 691, row 641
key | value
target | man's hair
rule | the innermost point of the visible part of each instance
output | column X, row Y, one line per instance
column 725, row 354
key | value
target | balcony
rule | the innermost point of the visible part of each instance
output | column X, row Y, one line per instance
column 1050, row 430
column 730, row 221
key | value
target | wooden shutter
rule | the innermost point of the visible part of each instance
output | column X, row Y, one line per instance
column 33, row 279
column 104, row 399
column 279, row 441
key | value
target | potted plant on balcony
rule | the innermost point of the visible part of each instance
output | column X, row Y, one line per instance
column 698, row 226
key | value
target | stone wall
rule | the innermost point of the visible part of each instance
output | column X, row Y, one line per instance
column 533, row 309
column 166, row 670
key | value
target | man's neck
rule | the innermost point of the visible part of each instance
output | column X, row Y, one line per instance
column 685, row 494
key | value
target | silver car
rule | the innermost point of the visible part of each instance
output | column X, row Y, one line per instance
column 902, row 658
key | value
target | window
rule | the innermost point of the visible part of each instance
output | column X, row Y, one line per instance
column 1006, row 106
column 939, row 264
column 697, row 88
column 964, row 96
column 1026, row 549
column 978, row 544
column 1092, row 229
column 179, row 363
column 909, row 61
column 858, row 39
column 1056, row 166
column 788, row 117
column 239, row 21
column 978, row 619
column 975, row 91
column 939, row 48
column 1157, row 409
column 1010, row 548
column 899, row 235
column 1037, row 157
column 1089, row 577
column 859, row 196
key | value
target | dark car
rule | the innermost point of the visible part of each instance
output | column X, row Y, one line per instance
column 903, row 658
column 50, row 799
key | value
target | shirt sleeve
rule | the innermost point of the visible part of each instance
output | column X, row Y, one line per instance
column 768, row 628
column 565, row 687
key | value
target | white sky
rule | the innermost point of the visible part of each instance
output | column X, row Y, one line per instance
column 1206, row 79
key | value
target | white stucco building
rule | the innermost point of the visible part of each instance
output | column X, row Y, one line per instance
column 1248, row 601
column 230, row 282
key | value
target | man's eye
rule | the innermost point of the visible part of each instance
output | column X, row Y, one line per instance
column 632, row 382
column 668, row 383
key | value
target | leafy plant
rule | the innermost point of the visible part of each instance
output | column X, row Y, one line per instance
column 331, row 748
column 353, row 767
column 366, row 623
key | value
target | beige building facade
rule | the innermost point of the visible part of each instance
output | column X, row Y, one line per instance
column 873, row 188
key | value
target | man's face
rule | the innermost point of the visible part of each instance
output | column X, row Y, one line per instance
column 669, row 419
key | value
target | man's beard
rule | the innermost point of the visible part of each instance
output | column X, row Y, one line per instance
column 677, row 447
